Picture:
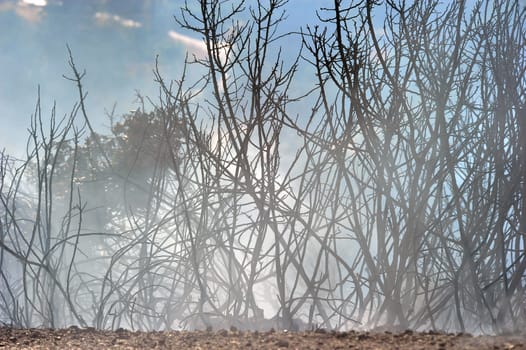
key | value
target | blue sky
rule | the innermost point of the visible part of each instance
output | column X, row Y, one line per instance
column 115, row 41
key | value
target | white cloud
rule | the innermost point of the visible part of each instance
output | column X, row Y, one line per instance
column 197, row 47
column 194, row 46
column 40, row 3
column 108, row 18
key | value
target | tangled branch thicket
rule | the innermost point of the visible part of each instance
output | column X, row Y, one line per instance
column 392, row 191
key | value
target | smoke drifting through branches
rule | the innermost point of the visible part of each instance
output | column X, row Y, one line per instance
column 401, row 203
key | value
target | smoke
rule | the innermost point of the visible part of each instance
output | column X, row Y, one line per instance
column 191, row 214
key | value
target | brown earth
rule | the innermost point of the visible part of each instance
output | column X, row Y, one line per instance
column 89, row 338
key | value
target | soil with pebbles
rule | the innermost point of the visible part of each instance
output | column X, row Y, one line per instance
column 89, row 338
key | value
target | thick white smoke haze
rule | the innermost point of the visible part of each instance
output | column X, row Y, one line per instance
column 387, row 194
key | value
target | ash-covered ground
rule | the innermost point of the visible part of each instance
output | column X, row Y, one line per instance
column 89, row 338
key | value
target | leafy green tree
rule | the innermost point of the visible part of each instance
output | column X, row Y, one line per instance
column 115, row 172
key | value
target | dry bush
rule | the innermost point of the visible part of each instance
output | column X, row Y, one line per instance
column 389, row 193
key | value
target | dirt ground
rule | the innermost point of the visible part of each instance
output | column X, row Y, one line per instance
column 89, row 338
